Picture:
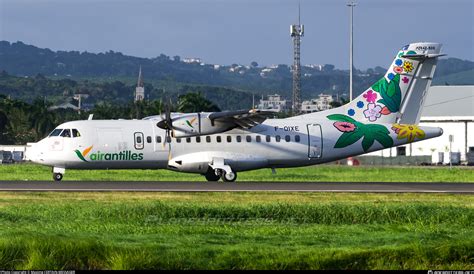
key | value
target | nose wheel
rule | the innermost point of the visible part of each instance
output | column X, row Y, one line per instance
column 58, row 173
column 57, row 177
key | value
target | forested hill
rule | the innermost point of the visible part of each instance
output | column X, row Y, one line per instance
column 26, row 60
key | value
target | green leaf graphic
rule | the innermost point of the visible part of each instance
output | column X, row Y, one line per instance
column 348, row 138
column 367, row 142
column 79, row 154
column 341, row 117
column 379, row 84
column 381, row 134
column 384, row 139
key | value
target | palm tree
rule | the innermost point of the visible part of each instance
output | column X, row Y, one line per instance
column 195, row 102
column 42, row 119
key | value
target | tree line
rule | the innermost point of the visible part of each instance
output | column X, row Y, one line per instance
column 22, row 122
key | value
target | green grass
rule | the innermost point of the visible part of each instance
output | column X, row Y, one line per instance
column 236, row 231
column 321, row 173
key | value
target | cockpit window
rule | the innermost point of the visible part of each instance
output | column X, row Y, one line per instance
column 55, row 132
column 75, row 133
column 66, row 133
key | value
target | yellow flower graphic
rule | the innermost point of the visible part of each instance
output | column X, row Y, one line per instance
column 408, row 131
column 408, row 66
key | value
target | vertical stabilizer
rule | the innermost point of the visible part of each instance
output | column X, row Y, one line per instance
column 399, row 96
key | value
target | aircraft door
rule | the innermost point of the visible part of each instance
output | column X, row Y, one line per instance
column 138, row 140
column 315, row 141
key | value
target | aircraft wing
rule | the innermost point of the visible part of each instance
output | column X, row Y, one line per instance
column 241, row 118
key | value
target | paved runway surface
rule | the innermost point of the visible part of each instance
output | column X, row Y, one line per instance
column 237, row 186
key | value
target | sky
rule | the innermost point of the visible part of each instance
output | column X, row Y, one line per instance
column 241, row 31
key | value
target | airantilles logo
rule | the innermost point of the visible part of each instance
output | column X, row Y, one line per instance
column 126, row 155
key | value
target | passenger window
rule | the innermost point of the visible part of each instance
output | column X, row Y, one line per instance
column 198, row 139
column 188, row 139
column 55, row 132
column 75, row 133
column 178, row 140
column 148, row 139
column 297, row 138
column 258, row 139
column 218, row 139
column 287, row 138
column 158, row 139
column 208, row 139
column 229, row 139
column 268, row 138
column 277, row 138
column 66, row 133
column 239, row 138
column 248, row 138
column 168, row 139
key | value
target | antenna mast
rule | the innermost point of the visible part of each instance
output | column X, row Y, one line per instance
column 296, row 32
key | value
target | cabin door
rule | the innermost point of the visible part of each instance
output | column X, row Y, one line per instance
column 315, row 141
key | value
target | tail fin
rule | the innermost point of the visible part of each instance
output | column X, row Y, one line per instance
column 399, row 96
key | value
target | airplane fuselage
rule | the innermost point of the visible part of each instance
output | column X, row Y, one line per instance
column 140, row 144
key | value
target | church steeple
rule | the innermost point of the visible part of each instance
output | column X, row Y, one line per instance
column 140, row 89
column 140, row 78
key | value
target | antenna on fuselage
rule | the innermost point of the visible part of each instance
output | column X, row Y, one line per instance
column 90, row 116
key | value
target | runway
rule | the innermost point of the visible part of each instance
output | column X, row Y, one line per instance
column 100, row 186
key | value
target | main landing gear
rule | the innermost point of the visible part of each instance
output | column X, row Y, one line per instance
column 218, row 169
column 58, row 173
column 214, row 175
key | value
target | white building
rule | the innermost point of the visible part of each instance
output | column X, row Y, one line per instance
column 275, row 103
column 140, row 89
column 452, row 109
column 192, row 60
column 323, row 102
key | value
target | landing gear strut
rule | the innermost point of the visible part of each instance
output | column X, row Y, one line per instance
column 58, row 173
column 222, row 170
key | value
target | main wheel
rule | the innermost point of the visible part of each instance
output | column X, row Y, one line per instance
column 57, row 176
column 229, row 177
column 211, row 176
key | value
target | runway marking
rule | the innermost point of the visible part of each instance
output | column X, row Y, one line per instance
column 347, row 187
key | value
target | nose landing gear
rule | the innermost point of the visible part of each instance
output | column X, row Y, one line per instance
column 57, row 176
column 58, row 173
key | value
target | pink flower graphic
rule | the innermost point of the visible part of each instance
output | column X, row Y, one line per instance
column 398, row 70
column 344, row 126
column 370, row 96
column 405, row 80
column 372, row 112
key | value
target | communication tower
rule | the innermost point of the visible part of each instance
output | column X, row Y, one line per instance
column 296, row 32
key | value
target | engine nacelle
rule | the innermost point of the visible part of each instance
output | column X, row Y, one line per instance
column 194, row 124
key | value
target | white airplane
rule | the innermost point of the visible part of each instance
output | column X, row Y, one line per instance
column 220, row 144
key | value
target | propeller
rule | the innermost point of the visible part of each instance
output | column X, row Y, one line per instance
column 166, row 123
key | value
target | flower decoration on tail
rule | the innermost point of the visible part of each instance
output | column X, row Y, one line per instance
column 410, row 132
column 370, row 96
column 373, row 112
